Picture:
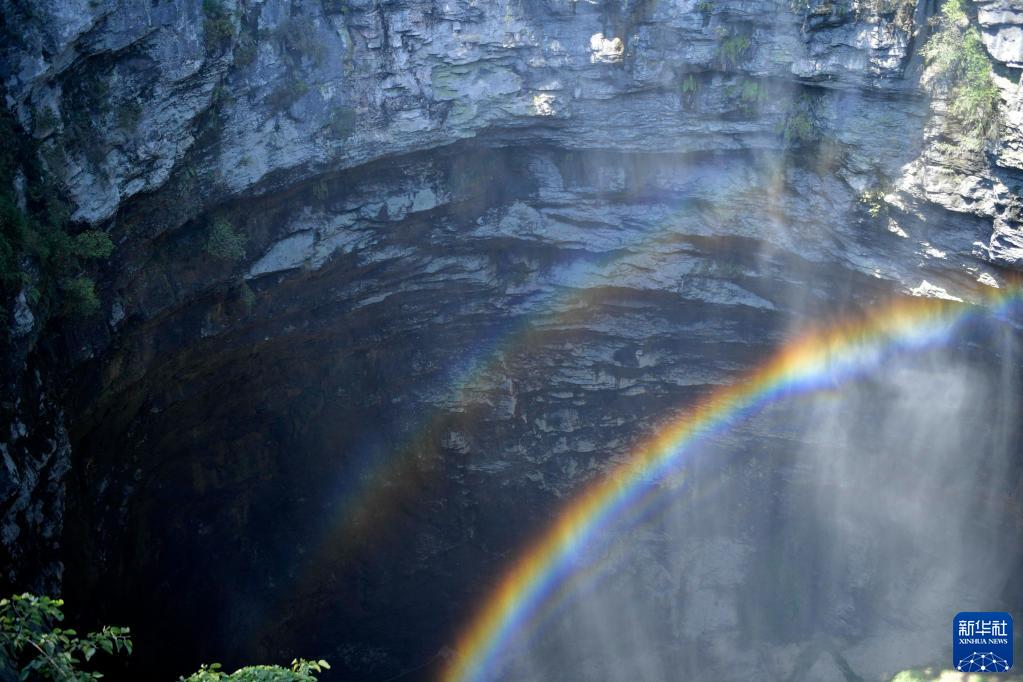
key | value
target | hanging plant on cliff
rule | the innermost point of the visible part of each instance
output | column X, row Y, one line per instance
column 958, row 67
column 39, row 255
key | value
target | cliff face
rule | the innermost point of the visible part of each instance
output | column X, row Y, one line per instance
column 394, row 278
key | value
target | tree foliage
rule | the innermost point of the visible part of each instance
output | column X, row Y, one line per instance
column 33, row 647
column 37, row 250
column 218, row 29
column 301, row 670
column 958, row 66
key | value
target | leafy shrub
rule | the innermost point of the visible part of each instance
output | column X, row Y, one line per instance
column 690, row 88
column 218, row 30
column 301, row 670
column 751, row 93
column 36, row 249
column 32, row 648
column 93, row 244
column 733, row 50
column 61, row 255
column 900, row 11
column 799, row 125
column 223, row 242
column 798, row 128
column 79, row 294
column 245, row 51
column 873, row 199
column 958, row 66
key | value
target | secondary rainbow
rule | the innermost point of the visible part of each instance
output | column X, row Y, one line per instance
column 814, row 360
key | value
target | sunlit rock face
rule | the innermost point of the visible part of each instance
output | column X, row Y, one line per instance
column 489, row 248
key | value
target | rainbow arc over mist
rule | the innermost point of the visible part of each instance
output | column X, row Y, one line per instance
column 815, row 360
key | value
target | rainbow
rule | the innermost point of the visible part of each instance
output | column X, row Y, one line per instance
column 814, row 360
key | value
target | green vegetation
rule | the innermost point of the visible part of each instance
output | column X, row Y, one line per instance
column 298, row 46
column 958, row 66
column 218, row 29
column 705, row 8
column 733, row 50
column 334, row 7
column 823, row 9
column 900, row 11
column 79, row 296
column 873, row 199
column 93, row 244
column 301, row 670
column 37, row 253
column 245, row 51
column 298, row 42
column 85, row 103
column 935, row 675
column 32, row 647
column 287, row 93
column 224, row 242
column 690, row 88
column 14, row 231
column 751, row 93
column 799, row 126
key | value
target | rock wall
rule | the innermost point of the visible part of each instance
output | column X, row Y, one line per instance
column 36, row 456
